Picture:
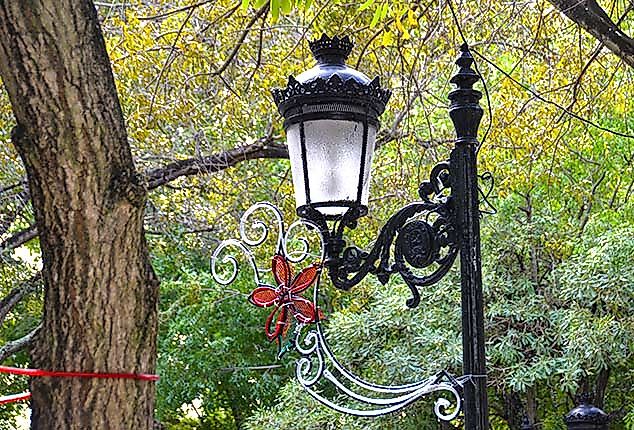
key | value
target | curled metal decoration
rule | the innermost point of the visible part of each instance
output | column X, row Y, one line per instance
column 317, row 365
column 247, row 242
column 230, row 259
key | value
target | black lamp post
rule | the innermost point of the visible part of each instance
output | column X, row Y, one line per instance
column 331, row 120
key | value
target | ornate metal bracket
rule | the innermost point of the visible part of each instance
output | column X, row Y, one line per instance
column 420, row 236
column 420, row 243
column 317, row 366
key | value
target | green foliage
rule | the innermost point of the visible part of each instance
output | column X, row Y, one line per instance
column 381, row 340
column 212, row 360
column 557, row 256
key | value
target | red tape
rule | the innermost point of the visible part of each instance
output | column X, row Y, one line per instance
column 61, row 374
column 15, row 398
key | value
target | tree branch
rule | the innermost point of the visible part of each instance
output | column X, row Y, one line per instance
column 17, row 345
column 591, row 17
column 19, row 239
column 17, row 294
column 261, row 12
column 175, row 11
column 264, row 148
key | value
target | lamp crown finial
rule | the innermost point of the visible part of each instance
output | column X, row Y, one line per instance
column 331, row 50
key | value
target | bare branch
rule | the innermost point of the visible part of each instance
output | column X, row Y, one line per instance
column 17, row 345
column 540, row 97
column 265, row 148
column 169, row 60
column 175, row 11
column 17, row 294
column 19, row 239
column 592, row 18
column 261, row 12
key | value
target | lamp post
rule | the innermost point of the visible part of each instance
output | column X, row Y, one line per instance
column 331, row 114
column 331, row 117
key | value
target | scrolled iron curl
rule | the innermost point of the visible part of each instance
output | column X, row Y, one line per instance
column 231, row 259
column 304, row 252
column 308, row 374
column 441, row 405
column 260, row 225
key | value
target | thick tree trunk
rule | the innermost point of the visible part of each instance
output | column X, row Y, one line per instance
column 101, row 294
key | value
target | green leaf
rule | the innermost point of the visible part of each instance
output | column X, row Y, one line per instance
column 286, row 6
column 245, row 4
column 275, row 10
column 259, row 3
column 366, row 5
column 376, row 17
column 384, row 11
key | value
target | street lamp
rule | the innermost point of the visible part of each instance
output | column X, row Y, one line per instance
column 331, row 117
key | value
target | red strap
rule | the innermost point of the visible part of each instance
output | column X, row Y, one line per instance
column 15, row 398
column 62, row 374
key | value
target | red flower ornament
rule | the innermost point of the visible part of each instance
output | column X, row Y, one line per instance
column 286, row 298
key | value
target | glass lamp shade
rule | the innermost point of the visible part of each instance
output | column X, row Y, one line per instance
column 331, row 167
column 331, row 120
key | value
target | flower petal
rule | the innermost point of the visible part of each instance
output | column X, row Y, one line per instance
column 289, row 322
column 304, row 279
column 263, row 296
column 282, row 271
column 303, row 310
column 280, row 323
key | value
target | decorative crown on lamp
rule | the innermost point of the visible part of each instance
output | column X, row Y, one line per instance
column 331, row 120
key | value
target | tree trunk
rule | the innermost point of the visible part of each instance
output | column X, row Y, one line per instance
column 601, row 385
column 513, row 410
column 100, row 312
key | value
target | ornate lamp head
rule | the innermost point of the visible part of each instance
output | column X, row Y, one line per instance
column 331, row 119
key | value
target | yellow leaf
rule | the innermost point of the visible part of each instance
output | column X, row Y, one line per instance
column 387, row 39
column 399, row 24
column 411, row 18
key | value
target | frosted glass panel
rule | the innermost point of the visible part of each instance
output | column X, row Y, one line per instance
column 333, row 159
column 297, row 168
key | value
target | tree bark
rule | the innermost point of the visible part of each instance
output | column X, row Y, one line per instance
column 100, row 312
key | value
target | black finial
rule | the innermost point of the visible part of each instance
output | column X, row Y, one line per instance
column 466, row 76
column 586, row 416
column 526, row 425
column 331, row 50
column 465, row 110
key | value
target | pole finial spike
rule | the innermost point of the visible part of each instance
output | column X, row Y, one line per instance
column 465, row 110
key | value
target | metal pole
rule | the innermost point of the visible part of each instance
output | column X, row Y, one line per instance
column 466, row 113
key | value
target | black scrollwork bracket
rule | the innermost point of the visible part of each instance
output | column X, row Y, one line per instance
column 419, row 237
